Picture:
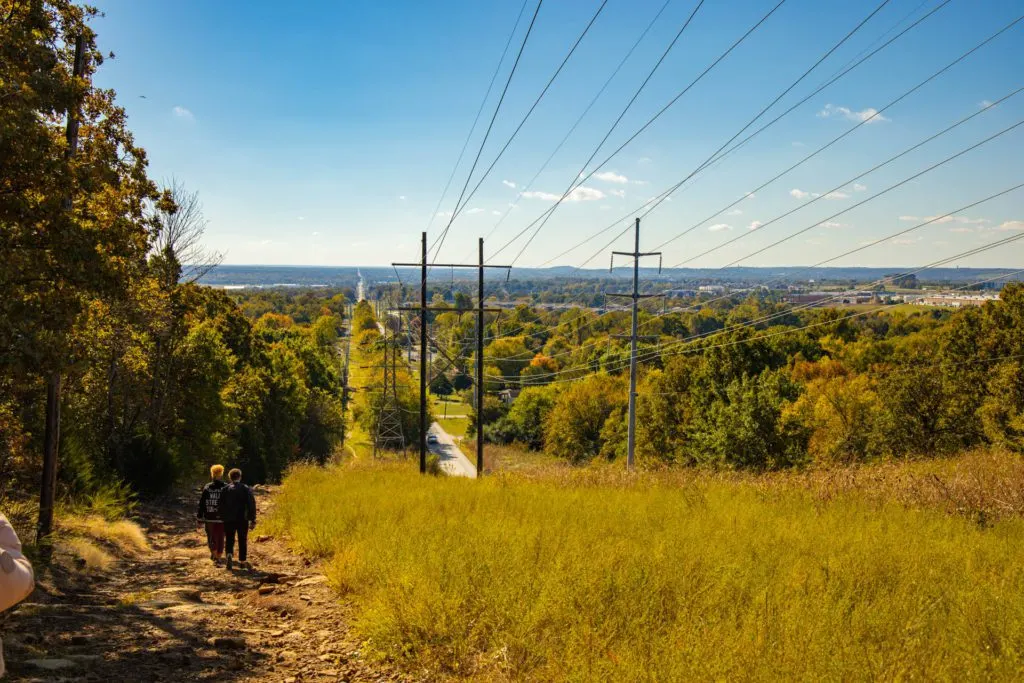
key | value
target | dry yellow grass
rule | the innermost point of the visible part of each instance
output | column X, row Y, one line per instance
column 123, row 535
column 90, row 556
column 594, row 574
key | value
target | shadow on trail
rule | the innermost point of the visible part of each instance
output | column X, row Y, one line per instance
column 169, row 615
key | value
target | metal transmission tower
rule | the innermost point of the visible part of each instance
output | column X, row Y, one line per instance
column 389, row 421
column 636, row 254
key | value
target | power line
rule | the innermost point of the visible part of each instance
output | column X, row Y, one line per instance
column 817, row 223
column 824, row 195
column 479, row 111
column 801, row 102
column 579, row 120
column 614, row 125
column 512, row 137
column 656, row 201
column 490, row 126
column 866, row 121
column 883, row 192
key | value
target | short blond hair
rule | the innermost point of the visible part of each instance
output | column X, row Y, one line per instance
column 217, row 471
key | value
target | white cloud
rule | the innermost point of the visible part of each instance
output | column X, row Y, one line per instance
column 906, row 240
column 302, row 218
column 749, row 195
column 869, row 115
column 579, row 194
column 444, row 214
column 830, row 224
column 668, row 199
column 640, row 182
column 1011, row 225
column 985, row 104
column 604, row 207
column 474, row 210
column 611, row 177
column 643, row 160
column 735, row 212
column 718, row 227
column 618, row 193
column 495, row 212
column 401, row 197
column 754, row 225
column 317, row 233
column 509, row 183
column 857, row 187
column 797, row 193
column 183, row 113
column 797, row 143
column 962, row 229
column 836, row 195
column 909, row 219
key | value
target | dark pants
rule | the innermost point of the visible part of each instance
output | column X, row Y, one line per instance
column 242, row 529
column 215, row 537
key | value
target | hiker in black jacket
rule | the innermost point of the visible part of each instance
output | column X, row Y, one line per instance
column 208, row 514
column 238, row 510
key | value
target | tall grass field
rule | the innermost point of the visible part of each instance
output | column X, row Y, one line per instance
column 600, row 576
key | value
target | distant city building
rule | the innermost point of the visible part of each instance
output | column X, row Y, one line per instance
column 712, row 289
column 834, row 298
column 956, row 300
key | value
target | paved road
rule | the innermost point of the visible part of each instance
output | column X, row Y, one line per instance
column 452, row 460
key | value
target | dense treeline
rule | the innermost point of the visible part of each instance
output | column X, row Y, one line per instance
column 758, row 385
column 303, row 305
column 157, row 377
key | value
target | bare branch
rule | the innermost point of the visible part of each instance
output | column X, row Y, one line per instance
column 181, row 233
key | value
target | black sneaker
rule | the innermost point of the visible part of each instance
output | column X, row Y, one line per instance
column 227, row 562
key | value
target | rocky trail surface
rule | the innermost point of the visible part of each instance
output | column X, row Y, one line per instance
column 172, row 615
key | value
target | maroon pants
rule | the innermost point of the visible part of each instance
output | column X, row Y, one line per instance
column 215, row 537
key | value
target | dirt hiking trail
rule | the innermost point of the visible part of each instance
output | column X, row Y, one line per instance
column 172, row 615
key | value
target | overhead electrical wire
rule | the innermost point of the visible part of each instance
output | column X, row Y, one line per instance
column 532, row 107
column 479, row 111
column 558, row 147
column 656, row 201
column 625, row 109
column 878, row 166
column 490, row 126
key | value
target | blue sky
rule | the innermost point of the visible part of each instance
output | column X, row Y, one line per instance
column 323, row 132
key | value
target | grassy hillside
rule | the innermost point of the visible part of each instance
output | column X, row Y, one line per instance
column 593, row 575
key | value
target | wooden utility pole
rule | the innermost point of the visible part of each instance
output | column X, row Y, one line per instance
column 480, row 365
column 51, row 435
column 423, row 309
column 636, row 254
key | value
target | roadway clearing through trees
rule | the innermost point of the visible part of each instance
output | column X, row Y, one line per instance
column 171, row 615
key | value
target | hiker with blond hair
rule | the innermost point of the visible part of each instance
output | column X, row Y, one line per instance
column 209, row 513
column 238, row 509
column 16, row 578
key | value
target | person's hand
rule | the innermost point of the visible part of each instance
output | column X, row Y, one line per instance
column 252, row 525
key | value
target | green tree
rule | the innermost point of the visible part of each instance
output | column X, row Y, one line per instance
column 576, row 420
